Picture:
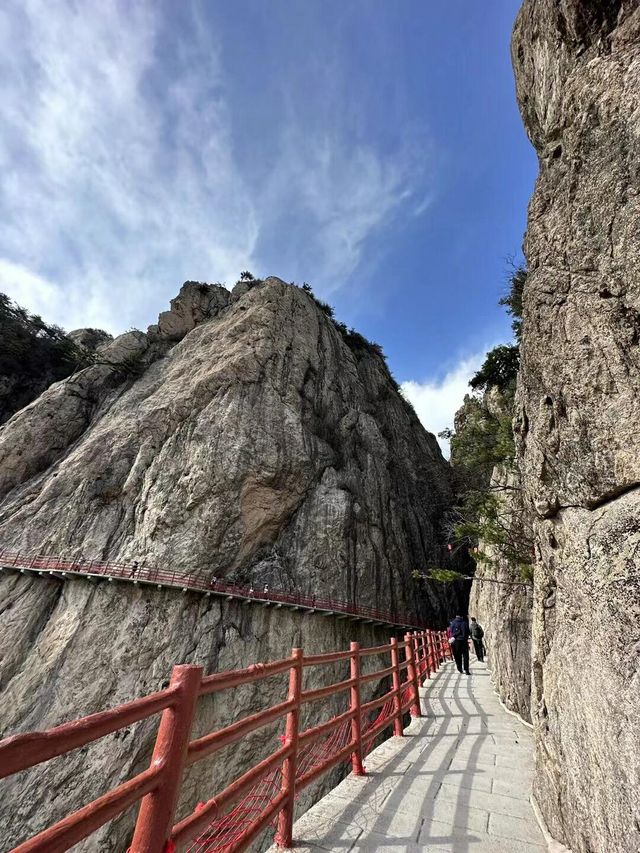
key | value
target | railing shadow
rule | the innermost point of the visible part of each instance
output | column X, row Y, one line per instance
column 398, row 804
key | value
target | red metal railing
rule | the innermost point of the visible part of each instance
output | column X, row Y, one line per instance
column 263, row 794
column 139, row 573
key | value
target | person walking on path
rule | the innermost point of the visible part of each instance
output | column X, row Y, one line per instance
column 459, row 639
column 476, row 635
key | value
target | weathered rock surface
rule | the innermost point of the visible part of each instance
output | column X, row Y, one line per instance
column 91, row 339
column 195, row 304
column 75, row 648
column 260, row 446
column 577, row 67
column 500, row 598
column 502, row 602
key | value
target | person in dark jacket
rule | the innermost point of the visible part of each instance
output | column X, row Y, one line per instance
column 476, row 635
column 459, row 638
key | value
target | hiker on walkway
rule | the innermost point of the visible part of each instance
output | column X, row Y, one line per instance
column 476, row 635
column 459, row 639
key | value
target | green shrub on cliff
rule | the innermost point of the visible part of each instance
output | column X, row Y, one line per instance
column 513, row 299
column 499, row 370
column 482, row 445
column 33, row 354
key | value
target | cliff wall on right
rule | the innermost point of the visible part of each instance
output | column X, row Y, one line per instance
column 577, row 67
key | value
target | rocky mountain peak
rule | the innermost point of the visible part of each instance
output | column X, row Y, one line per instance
column 245, row 434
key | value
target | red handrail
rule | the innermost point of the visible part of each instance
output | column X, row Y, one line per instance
column 265, row 791
column 197, row 581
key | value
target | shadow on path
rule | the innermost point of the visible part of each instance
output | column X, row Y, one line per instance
column 433, row 789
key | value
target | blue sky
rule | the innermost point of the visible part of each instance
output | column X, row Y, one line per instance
column 372, row 149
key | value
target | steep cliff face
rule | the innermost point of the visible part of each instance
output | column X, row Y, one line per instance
column 260, row 445
column 577, row 67
column 244, row 435
column 76, row 648
column 502, row 601
column 501, row 596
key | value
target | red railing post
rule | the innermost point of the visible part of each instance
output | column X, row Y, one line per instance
column 447, row 646
column 416, row 656
column 427, row 652
column 412, row 676
column 427, row 649
column 435, row 638
column 284, row 834
column 397, row 699
column 155, row 817
column 434, row 651
column 424, row 663
column 356, row 721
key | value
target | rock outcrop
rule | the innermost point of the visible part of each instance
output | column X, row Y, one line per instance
column 260, row 445
column 577, row 66
column 34, row 355
column 90, row 339
column 244, row 435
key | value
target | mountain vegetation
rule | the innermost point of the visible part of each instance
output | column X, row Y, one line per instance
column 33, row 354
column 483, row 456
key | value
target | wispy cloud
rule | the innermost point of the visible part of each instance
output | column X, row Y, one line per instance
column 120, row 174
column 344, row 193
column 118, row 179
column 437, row 400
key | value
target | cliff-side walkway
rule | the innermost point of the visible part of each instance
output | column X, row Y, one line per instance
column 458, row 782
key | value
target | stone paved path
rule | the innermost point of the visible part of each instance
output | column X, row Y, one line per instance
column 458, row 782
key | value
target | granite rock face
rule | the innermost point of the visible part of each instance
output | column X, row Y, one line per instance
column 577, row 66
column 502, row 602
column 500, row 598
column 91, row 339
column 73, row 648
column 243, row 436
column 260, row 446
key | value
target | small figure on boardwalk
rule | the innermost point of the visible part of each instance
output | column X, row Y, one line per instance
column 459, row 639
column 134, row 569
column 265, row 591
column 477, row 633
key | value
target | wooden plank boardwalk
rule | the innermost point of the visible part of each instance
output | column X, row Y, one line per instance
column 458, row 782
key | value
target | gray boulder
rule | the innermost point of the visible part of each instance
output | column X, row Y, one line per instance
column 195, row 303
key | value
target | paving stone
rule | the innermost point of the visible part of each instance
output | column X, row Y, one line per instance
column 512, row 786
column 444, row 811
column 459, row 782
column 465, row 779
column 486, row 800
column 516, row 828
column 487, row 767
column 516, row 762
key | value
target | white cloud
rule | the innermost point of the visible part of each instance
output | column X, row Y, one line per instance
column 118, row 179
column 345, row 192
column 26, row 287
column 120, row 175
column 437, row 400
